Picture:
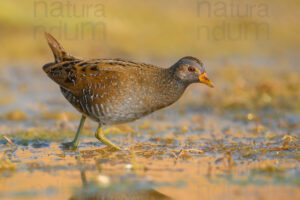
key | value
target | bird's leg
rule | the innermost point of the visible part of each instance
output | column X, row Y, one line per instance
column 75, row 142
column 100, row 136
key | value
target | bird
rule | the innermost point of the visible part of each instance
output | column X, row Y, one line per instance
column 117, row 91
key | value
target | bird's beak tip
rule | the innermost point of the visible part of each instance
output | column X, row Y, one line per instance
column 203, row 78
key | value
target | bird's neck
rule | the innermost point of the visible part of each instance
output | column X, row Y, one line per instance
column 170, row 88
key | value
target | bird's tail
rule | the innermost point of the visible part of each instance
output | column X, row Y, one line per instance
column 59, row 53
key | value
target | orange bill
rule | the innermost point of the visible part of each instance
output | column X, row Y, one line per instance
column 204, row 79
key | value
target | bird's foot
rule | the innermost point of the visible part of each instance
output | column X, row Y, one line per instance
column 108, row 143
column 100, row 136
column 69, row 145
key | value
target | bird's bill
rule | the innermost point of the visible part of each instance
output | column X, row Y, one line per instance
column 204, row 79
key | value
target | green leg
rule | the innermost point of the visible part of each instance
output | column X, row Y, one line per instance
column 75, row 142
column 100, row 136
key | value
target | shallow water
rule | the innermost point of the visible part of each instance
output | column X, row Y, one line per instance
column 182, row 152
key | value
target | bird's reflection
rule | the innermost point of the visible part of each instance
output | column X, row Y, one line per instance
column 105, row 189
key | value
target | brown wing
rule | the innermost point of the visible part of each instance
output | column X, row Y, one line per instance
column 93, row 75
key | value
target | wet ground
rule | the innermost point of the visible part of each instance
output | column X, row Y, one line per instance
column 239, row 144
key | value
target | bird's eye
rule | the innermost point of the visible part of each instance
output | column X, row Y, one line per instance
column 191, row 69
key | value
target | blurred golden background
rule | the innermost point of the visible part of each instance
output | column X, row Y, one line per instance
column 151, row 29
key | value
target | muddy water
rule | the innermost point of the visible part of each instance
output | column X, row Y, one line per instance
column 184, row 152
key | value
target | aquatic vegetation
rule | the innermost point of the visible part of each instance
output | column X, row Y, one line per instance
column 231, row 155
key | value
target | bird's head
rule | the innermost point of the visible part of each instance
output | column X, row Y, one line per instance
column 191, row 70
